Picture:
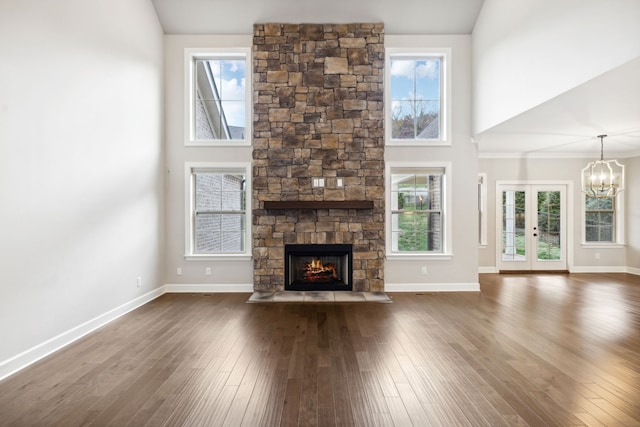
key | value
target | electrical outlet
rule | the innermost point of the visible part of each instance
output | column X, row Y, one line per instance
column 179, row 271
column 320, row 182
column 139, row 281
column 423, row 271
column 315, row 182
column 339, row 182
column 207, row 271
column 597, row 255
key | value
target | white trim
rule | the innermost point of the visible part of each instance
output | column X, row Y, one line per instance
column 446, row 111
column 602, row 245
column 188, row 203
column 206, row 288
column 567, row 217
column 447, row 249
column 549, row 155
column 225, row 257
column 488, row 270
column 599, row 269
column 432, row 287
column 419, row 257
column 633, row 270
column 482, row 210
column 222, row 52
column 32, row 355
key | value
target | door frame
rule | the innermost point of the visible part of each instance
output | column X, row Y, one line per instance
column 569, row 215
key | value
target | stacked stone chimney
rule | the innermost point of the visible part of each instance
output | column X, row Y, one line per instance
column 318, row 113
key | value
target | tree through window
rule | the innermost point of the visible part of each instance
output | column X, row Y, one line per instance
column 416, row 97
column 417, row 211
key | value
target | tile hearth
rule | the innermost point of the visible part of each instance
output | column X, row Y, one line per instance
column 319, row 296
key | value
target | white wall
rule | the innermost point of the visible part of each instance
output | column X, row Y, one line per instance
column 529, row 51
column 550, row 170
column 238, row 274
column 80, row 166
column 226, row 275
column 633, row 214
column 461, row 272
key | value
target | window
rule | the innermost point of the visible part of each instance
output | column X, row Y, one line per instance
column 418, row 90
column 603, row 221
column 218, row 97
column 417, row 200
column 600, row 214
column 482, row 209
column 218, row 206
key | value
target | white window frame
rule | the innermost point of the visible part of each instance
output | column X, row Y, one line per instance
column 447, row 223
column 445, row 95
column 619, row 225
column 482, row 210
column 189, row 241
column 190, row 55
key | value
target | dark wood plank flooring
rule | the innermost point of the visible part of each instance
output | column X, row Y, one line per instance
column 536, row 350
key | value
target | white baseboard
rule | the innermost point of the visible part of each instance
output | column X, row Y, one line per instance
column 432, row 287
column 28, row 357
column 598, row 269
column 581, row 269
column 209, row 288
column 632, row 270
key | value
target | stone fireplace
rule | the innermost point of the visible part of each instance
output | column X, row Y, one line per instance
column 318, row 147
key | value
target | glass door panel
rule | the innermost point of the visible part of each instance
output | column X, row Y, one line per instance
column 548, row 242
column 513, row 226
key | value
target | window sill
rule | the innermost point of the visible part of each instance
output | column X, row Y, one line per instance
column 222, row 257
column 419, row 257
column 417, row 143
column 601, row 245
column 220, row 143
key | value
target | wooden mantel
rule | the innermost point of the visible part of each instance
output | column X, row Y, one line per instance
column 327, row 204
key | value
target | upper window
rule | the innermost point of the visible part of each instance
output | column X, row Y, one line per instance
column 417, row 94
column 417, row 218
column 218, row 210
column 218, row 97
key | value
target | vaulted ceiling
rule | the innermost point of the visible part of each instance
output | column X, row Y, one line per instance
column 564, row 126
column 238, row 16
column 568, row 125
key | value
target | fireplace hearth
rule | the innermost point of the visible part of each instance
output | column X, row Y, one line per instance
column 318, row 267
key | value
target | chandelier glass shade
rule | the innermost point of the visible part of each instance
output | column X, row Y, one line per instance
column 603, row 178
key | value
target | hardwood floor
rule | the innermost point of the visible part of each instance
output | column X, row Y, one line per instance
column 537, row 350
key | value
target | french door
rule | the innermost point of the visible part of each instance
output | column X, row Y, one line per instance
column 532, row 227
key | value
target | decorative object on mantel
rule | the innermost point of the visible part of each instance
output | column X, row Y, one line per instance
column 603, row 178
column 324, row 204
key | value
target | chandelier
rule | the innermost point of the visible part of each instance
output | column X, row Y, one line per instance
column 603, row 178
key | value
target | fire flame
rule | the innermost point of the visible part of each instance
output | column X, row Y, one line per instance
column 315, row 270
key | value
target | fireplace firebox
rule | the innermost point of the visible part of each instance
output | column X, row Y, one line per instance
column 318, row 267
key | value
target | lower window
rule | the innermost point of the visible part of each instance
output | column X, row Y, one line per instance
column 417, row 210
column 218, row 206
